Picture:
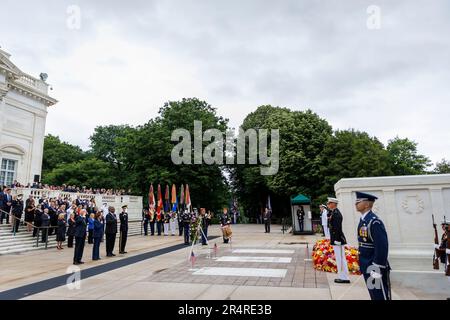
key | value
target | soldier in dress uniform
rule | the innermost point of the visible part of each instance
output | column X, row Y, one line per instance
column 166, row 219
column 442, row 247
column 123, row 216
column 338, row 241
column 145, row 217
column 373, row 249
column 324, row 217
column 151, row 219
column 301, row 218
column 186, row 218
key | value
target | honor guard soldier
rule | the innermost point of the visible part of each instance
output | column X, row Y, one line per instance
column 123, row 216
column 324, row 217
column 373, row 249
column 186, row 218
column 338, row 241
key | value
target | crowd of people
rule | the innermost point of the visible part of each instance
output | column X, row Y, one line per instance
column 68, row 188
column 76, row 220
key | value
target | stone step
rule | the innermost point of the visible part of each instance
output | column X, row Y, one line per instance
column 20, row 250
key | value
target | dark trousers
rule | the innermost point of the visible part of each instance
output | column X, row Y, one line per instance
column 4, row 215
column 300, row 225
column 180, row 228
column 50, row 230
column 44, row 234
column 70, row 242
column 152, row 228
column 145, row 227
column 91, row 236
column 123, row 241
column 35, row 230
column 79, row 248
column 186, row 233
column 110, row 242
column 96, row 248
column 16, row 225
column 267, row 226
column 159, row 227
column 382, row 289
column 204, row 235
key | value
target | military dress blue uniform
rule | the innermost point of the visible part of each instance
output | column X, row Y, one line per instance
column 373, row 253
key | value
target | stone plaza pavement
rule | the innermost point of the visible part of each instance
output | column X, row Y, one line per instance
column 255, row 266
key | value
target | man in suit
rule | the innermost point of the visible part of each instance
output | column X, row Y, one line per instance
column 17, row 211
column 111, row 231
column 2, row 195
column 373, row 249
column 123, row 216
column 7, row 203
column 80, row 237
column 338, row 241
column 301, row 218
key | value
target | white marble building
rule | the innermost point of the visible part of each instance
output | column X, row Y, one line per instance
column 23, row 111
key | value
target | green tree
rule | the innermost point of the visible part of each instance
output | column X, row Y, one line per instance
column 92, row 173
column 442, row 167
column 404, row 157
column 349, row 154
column 146, row 153
column 302, row 136
column 58, row 152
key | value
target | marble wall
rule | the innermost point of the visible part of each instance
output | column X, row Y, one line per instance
column 405, row 204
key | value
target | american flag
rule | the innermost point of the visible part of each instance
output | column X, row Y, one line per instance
column 193, row 258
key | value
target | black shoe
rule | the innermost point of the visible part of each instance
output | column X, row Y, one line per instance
column 80, row 262
column 113, row 254
column 109, row 255
column 341, row 281
column 75, row 263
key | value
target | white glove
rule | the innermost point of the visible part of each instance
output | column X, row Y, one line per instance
column 375, row 275
column 436, row 246
column 338, row 243
column 447, row 251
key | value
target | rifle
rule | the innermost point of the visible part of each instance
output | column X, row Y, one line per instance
column 447, row 231
column 437, row 253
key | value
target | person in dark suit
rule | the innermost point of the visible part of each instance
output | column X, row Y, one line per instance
column 37, row 220
column 53, row 213
column 7, row 203
column 17, row 211
column 373, row 249
column 71, row 230
column 301, row 218
column 187, row 218
column 61, row 231
column 80, row 237
column 110, row 231
column 123, row 216
column 45, row 223
column 98, row 235
column 338, row 240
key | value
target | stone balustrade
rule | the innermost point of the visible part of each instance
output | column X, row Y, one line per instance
column 134, row 203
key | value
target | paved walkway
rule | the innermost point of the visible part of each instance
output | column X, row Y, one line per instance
column 255, row 265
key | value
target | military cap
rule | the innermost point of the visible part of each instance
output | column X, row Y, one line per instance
column 124, row 206
column 361, row 196
column 333, row 200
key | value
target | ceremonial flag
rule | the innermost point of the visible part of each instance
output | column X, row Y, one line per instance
column 269, row 206
column 181, row 197
column 160, row 201
column 188, row 199
column 166, row 199
column 151, row 197
column 174, row 198
column 192, row 258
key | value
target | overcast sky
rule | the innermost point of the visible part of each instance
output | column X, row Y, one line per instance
column 129, row 57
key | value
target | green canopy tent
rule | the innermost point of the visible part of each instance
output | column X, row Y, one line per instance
column 301, row 214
